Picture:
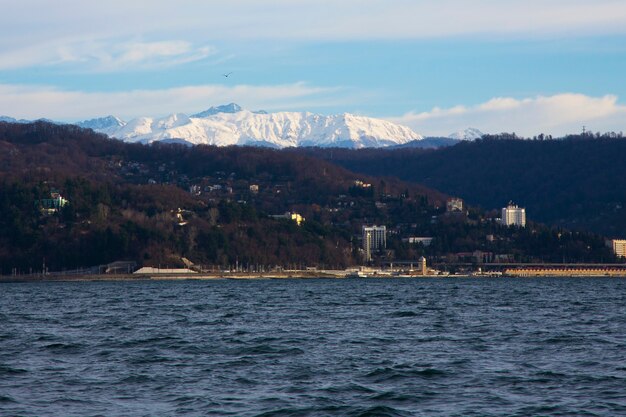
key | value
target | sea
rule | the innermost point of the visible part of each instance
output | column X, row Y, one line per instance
column 314, row 347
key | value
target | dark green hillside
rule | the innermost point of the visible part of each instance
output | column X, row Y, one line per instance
column 577, row 183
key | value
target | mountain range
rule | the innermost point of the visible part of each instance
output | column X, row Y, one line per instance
column 230, row 124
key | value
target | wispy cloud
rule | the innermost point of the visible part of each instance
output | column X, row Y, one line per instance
column 557, row 115
column 121, row 34
column 105, row 55
column 319, row 19
column 35, row 102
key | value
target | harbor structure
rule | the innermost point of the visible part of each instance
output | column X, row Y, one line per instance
column 565, row 271
column 164, row 271
column 422, row 266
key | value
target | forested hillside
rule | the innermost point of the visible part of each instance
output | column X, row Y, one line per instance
column 71, row 198
column 575, row 182
column 130, row 202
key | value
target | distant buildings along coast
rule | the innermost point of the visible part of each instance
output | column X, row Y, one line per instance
column 374, row 239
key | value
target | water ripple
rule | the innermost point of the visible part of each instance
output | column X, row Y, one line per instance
column 477, row 347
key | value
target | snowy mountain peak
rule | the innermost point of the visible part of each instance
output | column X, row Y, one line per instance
column 467, row 134
column 102, row 123
column 231, row 125
column 172, row 121
column 226, row 108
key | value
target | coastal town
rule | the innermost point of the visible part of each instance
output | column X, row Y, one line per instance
column 376, row 260
column 170, row 210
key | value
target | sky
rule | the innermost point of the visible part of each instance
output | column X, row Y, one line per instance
column 529, row 67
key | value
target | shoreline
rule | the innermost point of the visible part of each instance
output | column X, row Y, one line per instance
column 264, row 276
column 165, row 277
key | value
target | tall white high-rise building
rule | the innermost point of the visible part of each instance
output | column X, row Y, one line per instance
column 618, row 246
column 513, row 216
column 374, row 238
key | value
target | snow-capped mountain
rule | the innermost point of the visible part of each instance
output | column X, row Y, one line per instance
column 231, row 125
column 103, row 124
column 226, row 108
column 467, row 134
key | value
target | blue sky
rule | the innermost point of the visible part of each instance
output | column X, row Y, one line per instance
column 528, row 66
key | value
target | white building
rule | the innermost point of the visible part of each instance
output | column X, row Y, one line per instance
column 423, row 267
column 425, row 241
column 156, row 271
column 374, row 238
column 454, row 205
column 618, row 246
column 513, row 216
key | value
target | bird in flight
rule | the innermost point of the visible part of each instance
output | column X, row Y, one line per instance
column 227, row 74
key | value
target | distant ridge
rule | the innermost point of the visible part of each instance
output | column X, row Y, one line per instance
column 226, row 108
column 470, row 133
column 429, row 143
column 8, row 119
column 103, row 124
column 230, row 124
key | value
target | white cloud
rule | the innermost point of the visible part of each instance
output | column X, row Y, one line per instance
column 108, row 36
column 30, row 102
column 325, row 19
column 149, row 54
column 37, row 31
column 105, row 55
column 556, row 115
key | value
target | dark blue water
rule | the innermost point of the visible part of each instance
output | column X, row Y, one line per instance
column 472, row 347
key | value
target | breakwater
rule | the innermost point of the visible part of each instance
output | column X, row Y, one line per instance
column 565, row 272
